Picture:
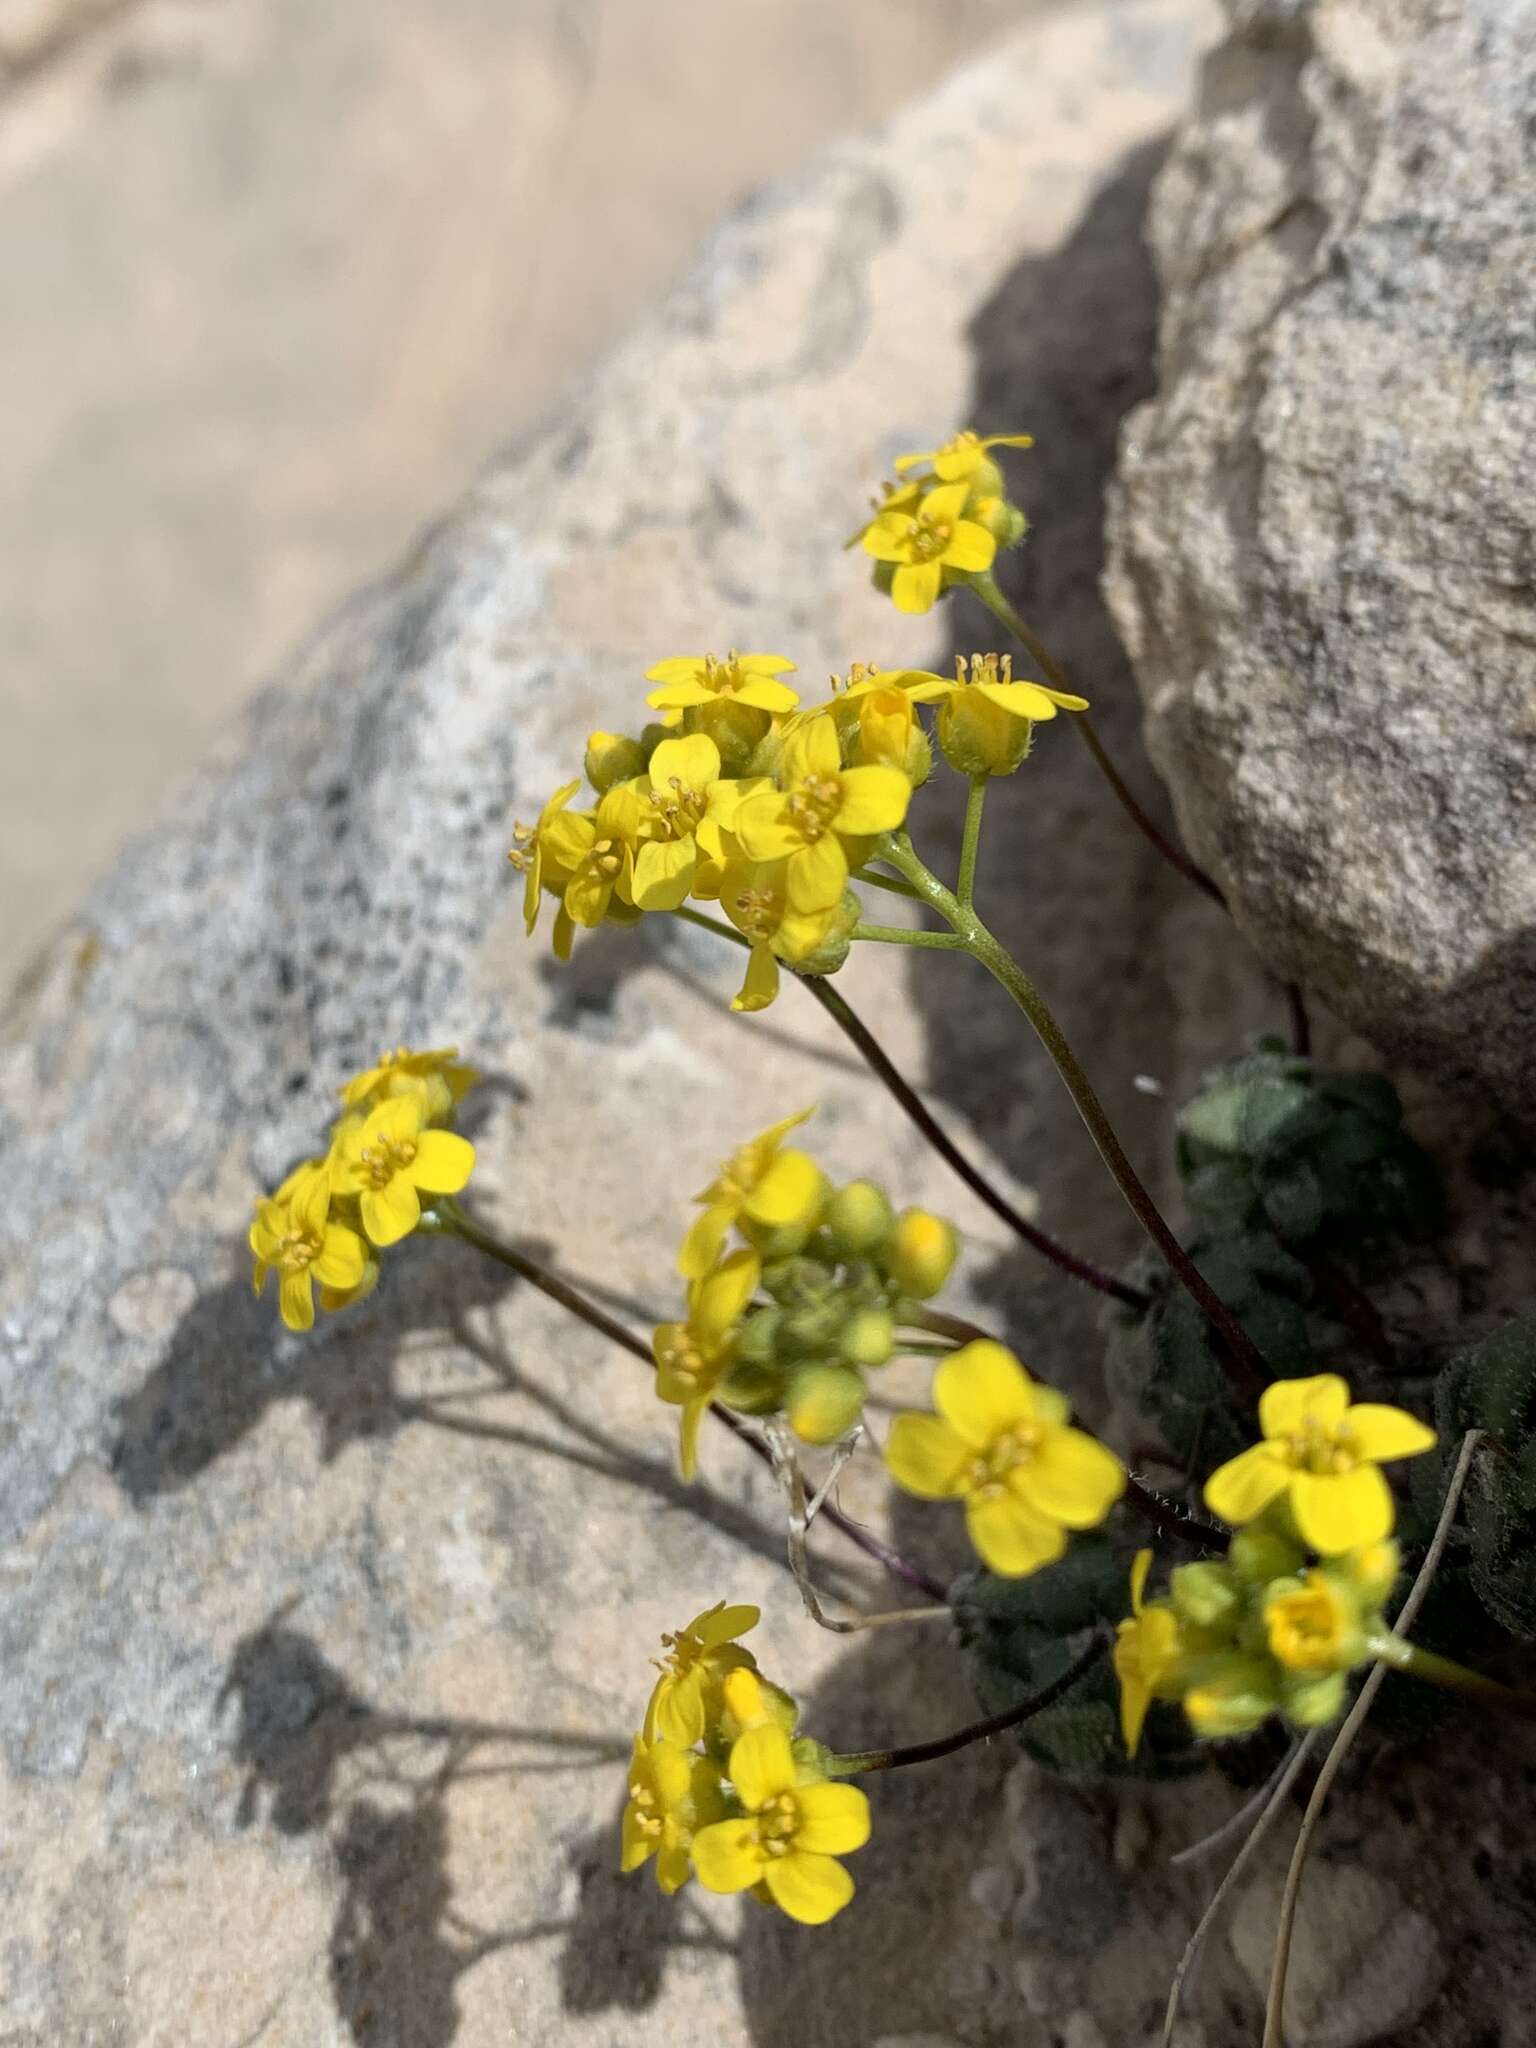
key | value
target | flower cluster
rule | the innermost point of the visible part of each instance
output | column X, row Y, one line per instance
column 722, row 1788
column 333, row 1214
column 815, row 1297
column 944, row 521
column 1002, row 1444
column 1296, row 1606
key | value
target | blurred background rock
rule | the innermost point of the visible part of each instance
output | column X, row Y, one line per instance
column 279, row 276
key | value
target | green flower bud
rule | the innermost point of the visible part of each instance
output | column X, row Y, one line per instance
column 1259, row 1553
column 738, row 730
column 1206, row 1595
column 1312, row 1702
column 1230, row 1695
column 859, row 1218
column 922, row 1254
column 978, row 737
column 1006, row 523
column 651, row 737
column 833, row 950
column 795, row 1281
column 755, row 1387
column 775, row 1240
column 757, row 1338
column 766, row 755
column 824, row 1402
column 611, row 758
column 1370, row 1573
column 868, row 1339
column 814, row 1328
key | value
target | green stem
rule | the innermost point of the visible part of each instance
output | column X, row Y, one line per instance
column 971, row 842
column 884, row 1068
column 889, row 882
column 1433, row 1669
column 1242, row 1361
column 449, row 1220
column 903, row 935
column 978, row 1731
column 986, row 589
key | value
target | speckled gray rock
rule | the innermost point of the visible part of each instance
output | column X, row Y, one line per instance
column 1323, row 540
column 318, row 1659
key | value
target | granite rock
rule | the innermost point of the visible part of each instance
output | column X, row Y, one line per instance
column 1322, row 537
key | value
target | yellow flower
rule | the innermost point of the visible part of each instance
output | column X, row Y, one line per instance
column 1312, row 1625
column 1324, row 1454
column 293, row 1233
column 985, row 714
column 670, row 1794
column 693, row 1357
column 437, row 1076
column 1002, row 1444
column 757, row 1181
column 391, row 1158
column 755, row 896
column 543, row 869
column 687, row 1698
column 927, row 541
column 817, row 809
column 790, row 1834
column 748, row 1700
column 1147, row 1650
column 683, row 801
column 597, row 851
column 689, row 680
column 961, row 460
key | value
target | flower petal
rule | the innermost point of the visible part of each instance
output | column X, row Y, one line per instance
column 1287, row 1406
column 679, row 696
column 342, row 1258
column 1338, row 1511
column 392, row 1211
column 688, row 1438
column 296, row 1300
column 694, row 761
column 569, row 838
column 1244, row 1487
column 762, row 1765
column 716, row 1301
column 924, row 1455
column 1071, row 1478
column 704, row 1241
column 762, row 826
column 1010, row 1537
column 981, row 1390
column 811, row 750
column 1380, row 1432
column 673, row 1868
column 443, row 1163
column 764, row 694
column 726, row 1857
column 721, row 1624
column 810, row 1889
column 888, row 540
column 1141, row 1566
column 834, row 1819
column 664, row 871
column 875, row 799
column 971, row 547
column 943, row 506
column 760, row 983
column 817, row 875
column 677, row 1708
column 916, row 585
column 789, row 1190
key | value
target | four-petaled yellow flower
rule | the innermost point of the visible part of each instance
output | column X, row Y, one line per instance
column 597, row 850
column 960, row 459
column 690, row 680
column 1002, row 1444
column 391, row 1159
column 1324, row 1453
column 754, row 895
column 670, row 1794
column 1312, row 1624
column 438, row 1075
column 683, row 801
column 991, row 678
column 758, row 1181
column 687, row 1696
column 693, row 1357
column 818, row 807
column 1147, row 1650
column 794, row 1828
column 924, row 541
column 294, row 1236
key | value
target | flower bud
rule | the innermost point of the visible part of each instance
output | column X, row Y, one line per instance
column 922, row 1254
column 859, row 1218
column 754, row 1386
column 1311, row 1702
column 1231, row 1695
column 813, row 1328
column 1006, row 523
column 1258, row 1554
column 795, row 1281
column 1206, row 1595
column 612, row 758
column 757, row 1338
column 978, row 737
column 1370, row 1573
column 738, row 730
column 824, row 1402
column 868, row 1339
column 748, row 1700
column 830, row 954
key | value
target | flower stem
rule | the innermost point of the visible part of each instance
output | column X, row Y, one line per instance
column 985, row 587
column 904, row 935
column 890, row 882
column 978, row 1731
column 1242, row 1360
column 971, row 842
column 451, row 1221
column 1433, row 1669
column 885, row 1070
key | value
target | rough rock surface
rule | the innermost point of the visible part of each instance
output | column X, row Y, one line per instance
column 1323, row 539
column 318, row 1658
